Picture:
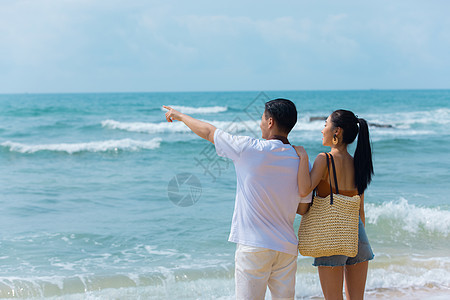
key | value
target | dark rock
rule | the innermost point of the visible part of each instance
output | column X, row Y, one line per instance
column 312, row 119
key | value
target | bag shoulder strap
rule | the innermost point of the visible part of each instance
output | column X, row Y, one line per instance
column 334, row 174
column 329, row 177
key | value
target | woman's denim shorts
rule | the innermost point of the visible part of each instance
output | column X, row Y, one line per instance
column 364, row 253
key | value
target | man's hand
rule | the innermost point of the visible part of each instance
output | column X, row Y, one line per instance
column 172, row 114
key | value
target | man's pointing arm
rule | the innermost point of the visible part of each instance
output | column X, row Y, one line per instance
column 200, row 128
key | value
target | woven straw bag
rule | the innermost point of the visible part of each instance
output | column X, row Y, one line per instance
column 330, row 227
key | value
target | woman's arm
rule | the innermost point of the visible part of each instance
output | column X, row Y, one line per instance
column 303, row 208
column 306, row 181
column 361, row 210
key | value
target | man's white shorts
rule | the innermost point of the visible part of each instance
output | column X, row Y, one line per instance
column 256, row 268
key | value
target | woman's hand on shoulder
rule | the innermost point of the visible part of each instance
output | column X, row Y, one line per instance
column 301, row 152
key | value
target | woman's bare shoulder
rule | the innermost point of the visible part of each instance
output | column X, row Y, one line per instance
column 321, row 156
column 321, row 160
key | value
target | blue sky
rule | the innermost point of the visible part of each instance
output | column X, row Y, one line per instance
column 137, row 46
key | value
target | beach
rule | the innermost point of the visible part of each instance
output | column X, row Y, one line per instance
column 92, row 206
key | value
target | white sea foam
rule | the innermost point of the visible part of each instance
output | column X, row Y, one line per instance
column 411, row 217
column 179, row 127
column 166, row 127
column 198, row 110
column 407, row 277
column 102, row 146
column 400, row 282
column 401, row 121
column 63, row 265
column 404, row 120
column 380, row 134
column 401, row 125
column 401, row 274
column 152, row 250
column 146, row 127
column 231, row 126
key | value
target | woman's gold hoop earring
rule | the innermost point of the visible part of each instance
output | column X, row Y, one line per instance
column 335, row 140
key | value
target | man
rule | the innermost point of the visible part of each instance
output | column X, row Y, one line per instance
column 267, row 200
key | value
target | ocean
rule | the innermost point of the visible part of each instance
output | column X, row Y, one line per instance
column 101, row 198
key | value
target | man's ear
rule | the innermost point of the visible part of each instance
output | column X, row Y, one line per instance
column 270, row 123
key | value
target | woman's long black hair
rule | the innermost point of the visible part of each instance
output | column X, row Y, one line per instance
column 362, row 158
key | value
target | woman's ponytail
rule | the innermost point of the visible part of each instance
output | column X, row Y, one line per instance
column 363, row 158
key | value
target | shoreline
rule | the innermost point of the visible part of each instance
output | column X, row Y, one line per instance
column 202, row 288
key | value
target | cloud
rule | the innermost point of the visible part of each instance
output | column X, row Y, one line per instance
column 85, row 45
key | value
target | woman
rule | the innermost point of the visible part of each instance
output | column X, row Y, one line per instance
column 353, row 176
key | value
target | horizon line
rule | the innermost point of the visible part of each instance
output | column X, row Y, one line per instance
column 227, row 91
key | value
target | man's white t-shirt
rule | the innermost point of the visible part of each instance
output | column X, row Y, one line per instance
column 267, row 192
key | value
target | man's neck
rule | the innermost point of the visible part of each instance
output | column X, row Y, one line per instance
column 281, row 137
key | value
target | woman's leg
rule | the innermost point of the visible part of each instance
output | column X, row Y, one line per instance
column 355, row 280
column 331, row 280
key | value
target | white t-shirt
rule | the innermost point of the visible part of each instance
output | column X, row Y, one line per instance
column 267, row 192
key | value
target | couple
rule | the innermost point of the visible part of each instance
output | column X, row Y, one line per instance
column 270, row 181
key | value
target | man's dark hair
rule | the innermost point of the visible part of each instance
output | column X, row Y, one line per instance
column 284, row 112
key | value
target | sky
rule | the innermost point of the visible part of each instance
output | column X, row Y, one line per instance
column 78, row 46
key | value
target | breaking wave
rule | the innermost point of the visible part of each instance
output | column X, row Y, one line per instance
column 101, row 146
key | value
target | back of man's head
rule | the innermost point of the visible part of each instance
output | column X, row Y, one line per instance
column 283, row 112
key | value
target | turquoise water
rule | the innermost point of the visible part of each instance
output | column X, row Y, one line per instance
column 85, row 208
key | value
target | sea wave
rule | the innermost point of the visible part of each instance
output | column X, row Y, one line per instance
column 143, row 127
column 398, row 119
column 107, row 285
column 177, row 127
column 236, row 126
column 387, row 277
column 101, row 146
column 198, row 110
column 44, row 111
column 303, row 129
column 410, row 217
column 390, row 122
column 407, row 119
column 405, row 277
